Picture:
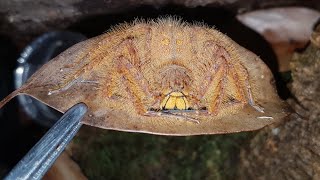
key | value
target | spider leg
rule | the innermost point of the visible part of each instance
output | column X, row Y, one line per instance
column 243, row 88
column 214, row 92
column 223, row 86
column 95, row 56
column 130, row 66
column 234, row 87
column 248, row 92
column 218, row 94
column 136, row 84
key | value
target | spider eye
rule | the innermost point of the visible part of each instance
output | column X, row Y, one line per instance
column 165, row 41
column 179, row 42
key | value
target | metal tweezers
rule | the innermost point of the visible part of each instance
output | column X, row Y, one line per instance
column 41, row 157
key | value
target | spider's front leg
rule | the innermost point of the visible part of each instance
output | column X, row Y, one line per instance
column 247, row 90
column 214, row 92
column 135, row 83
column 229, row 84
column 239, row 77
column 222, row 85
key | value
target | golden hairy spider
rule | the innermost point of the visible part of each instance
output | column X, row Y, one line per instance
column 162, row 77
column 170, row 68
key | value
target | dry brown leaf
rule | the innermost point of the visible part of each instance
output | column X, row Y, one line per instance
column 163, row 77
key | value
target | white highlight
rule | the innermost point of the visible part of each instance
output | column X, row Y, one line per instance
column 265, row 117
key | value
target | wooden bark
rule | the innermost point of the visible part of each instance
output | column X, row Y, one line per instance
column 291, row 149
column 32, row 17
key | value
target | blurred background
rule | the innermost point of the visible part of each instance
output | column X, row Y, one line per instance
column 34, row 31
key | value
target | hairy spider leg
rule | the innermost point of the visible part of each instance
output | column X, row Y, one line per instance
column 134, row 81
